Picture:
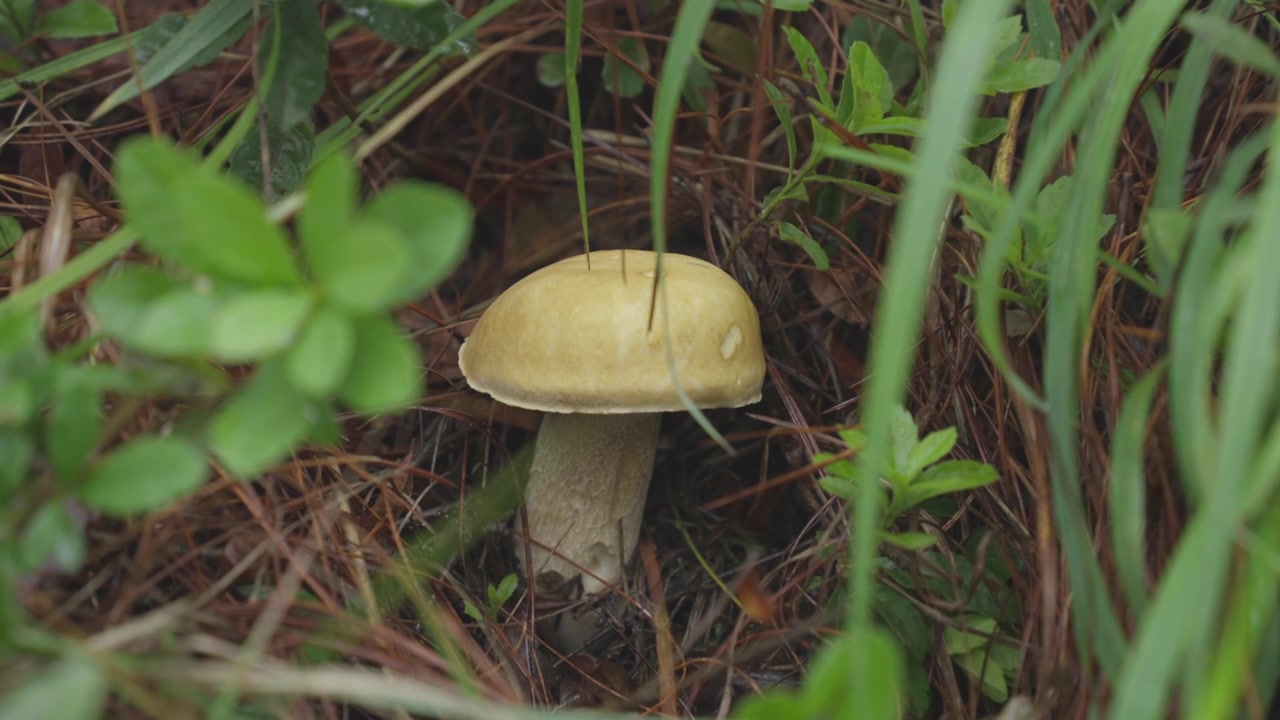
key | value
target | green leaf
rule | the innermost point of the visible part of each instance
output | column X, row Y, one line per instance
column 1021, row 75
column 257, row 324
column 789, row 5
column 366, row 268
column 52, row 536
column 17, row 450
column 77, row 19
column 385, row 371
column 907, row 624
column 72, row 425
column 810, row 65
column 867, row 88
column 22, row 350
column 896, row 53
column 931, row 448
column 948, row 477
column 320, row 361
column 437, row 222
column 17, row 20
column 1046, row 38
column 213, row 29
column 1166, row 232
column 980, row 666
column 152, row 312
column 777, row 703
column 158, row 34
column 895, row 125
column 732, row 45
column 949, row 8
column 259, row 426
column 17, row 402
column 912, row 541
column 10, row 232
column 1232, row 42
column 842, row 486
column 301, row 65
column 972, row 635
column 145, row 474
column 71, row 689
column 874, row 664
column 332, row 189
column 782, row 108
column 619, row 78
column 793, row 234
column 987, row 129
column 192, row 215
column 421, row 27
column 506, row 588
column 325, row 429
column 473, row 612
column 1008, row 32
column 551, row 69
column 288, row 156
column 903, row 437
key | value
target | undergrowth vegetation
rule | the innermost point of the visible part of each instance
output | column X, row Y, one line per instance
column 1018, row 454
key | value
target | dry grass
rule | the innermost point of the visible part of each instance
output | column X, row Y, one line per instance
column 264, row 567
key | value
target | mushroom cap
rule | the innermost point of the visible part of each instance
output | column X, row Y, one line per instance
column 571, row 340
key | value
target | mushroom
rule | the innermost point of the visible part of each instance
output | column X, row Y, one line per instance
column 575, row 342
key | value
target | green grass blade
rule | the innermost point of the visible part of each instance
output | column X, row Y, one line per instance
column 199, row 35
column 1127, row 490
column 1175, row 138
column 1072, row 282
column 1049, row 132
column 952, row 107
column 572, row 52
column 1251, row 623
column 387, row 99
column 1186, row 606
column 66, row 64
column 1192, row 334
column 685, row 39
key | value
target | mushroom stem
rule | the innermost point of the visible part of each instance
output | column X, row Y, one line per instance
column 585, row 496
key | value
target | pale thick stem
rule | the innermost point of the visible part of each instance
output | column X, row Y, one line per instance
column 586, row 494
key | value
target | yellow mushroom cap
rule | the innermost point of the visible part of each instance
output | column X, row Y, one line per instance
column 571, row 340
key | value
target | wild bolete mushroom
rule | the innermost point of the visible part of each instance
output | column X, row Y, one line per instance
column 576, row 343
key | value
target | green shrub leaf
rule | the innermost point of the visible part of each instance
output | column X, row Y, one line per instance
column 385, row 371
column 259, row 323
column 72, row 426
column 793, row 234
column 931, row 448
column 260, row 424
column 1021, row 75
column 319, row 362
column 17, row 450
column 437, row 223
column 145, row 474
column 332, row 190
column 153, row 312
column 365, row 268
column 52, row 536
column 192, row 215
